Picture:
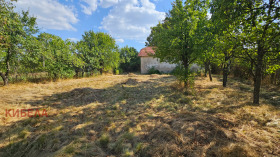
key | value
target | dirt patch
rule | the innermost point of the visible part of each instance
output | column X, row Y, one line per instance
column 131, row 81
column 154, row 76
column 131, row 75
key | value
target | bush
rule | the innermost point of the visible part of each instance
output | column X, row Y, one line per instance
column 104, row 140
column 120, row 70
column 153, row 70
column 180, row 73
column 117, row 72
column 241, row 72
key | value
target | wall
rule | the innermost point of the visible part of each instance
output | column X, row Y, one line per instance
column 149, row 62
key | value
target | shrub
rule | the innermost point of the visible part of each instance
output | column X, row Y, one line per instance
column 120, row 70
column 117, row 72
column 104, row 140
column 184, row 75
column 153, row 70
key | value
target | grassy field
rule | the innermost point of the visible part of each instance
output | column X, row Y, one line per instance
column 140, row 115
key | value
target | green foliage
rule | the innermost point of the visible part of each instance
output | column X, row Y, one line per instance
column 251, row 30
column 178, row 39
column 57, row 56
column 153, row 70
column 98, row 51
column 117, row 72
column 104, row 140
column 180, row 72
column 15, row 29
column 22, row 53
column 129, row 60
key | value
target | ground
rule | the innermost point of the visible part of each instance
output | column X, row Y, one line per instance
column 140, row 115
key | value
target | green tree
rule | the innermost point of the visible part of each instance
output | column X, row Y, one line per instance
column 30, row 60
column 258, row 22
column 58, row 57
column 14, row 29
column 129, row 60
column 225, row 31
column 98, row 51
column 178, row 38
column 207, row 46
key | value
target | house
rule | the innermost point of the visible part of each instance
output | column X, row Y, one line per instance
column 148, row 62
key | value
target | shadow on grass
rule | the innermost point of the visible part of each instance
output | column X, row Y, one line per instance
column 269, row 95
column 272, row 97
column 132, row 118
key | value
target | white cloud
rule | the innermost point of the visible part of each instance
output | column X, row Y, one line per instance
column 90, row 7
column 130, row 19
column 108, row 3
column 73, row 39
column 119, row 40
column 50, row 13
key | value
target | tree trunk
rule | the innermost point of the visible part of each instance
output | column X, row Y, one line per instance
column 44, row 63
column 226, row 69
column 101, row 71
column 186, row 68
column 5, row 79
column 76, row 73
column 83, row 72
column 55, row 76
column 257, row 80
column 209, row 69
column 272, row 78
column 206, row 68
column 257, row 86
column 6, row 75
column 225, row 75
column 277, row 77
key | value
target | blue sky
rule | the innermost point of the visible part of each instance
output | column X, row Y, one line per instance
column 128, row 21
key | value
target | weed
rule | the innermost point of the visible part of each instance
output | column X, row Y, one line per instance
column 104, row 140
column 23, row 134
column 69, row 150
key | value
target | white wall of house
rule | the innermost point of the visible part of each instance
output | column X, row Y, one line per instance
column 149, row 62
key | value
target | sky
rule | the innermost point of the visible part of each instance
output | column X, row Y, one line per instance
column 127, row 21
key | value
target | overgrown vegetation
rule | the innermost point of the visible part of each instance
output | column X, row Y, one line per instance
column 23, row 53
column 153, row 70
column 146, row 115
column 238, row 33
column 140, row 115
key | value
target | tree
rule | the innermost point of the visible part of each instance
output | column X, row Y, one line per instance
column 225, row 31
column 58, row 56
column 207, row 46
column 14, row 29
column 226, row 47
column 258, row 22
column 177, row 39
column 129, row 60
column 98, row 51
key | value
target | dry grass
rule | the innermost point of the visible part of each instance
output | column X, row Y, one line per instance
column 140, row 115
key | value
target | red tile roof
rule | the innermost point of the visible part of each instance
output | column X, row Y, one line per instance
column 147, row 51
